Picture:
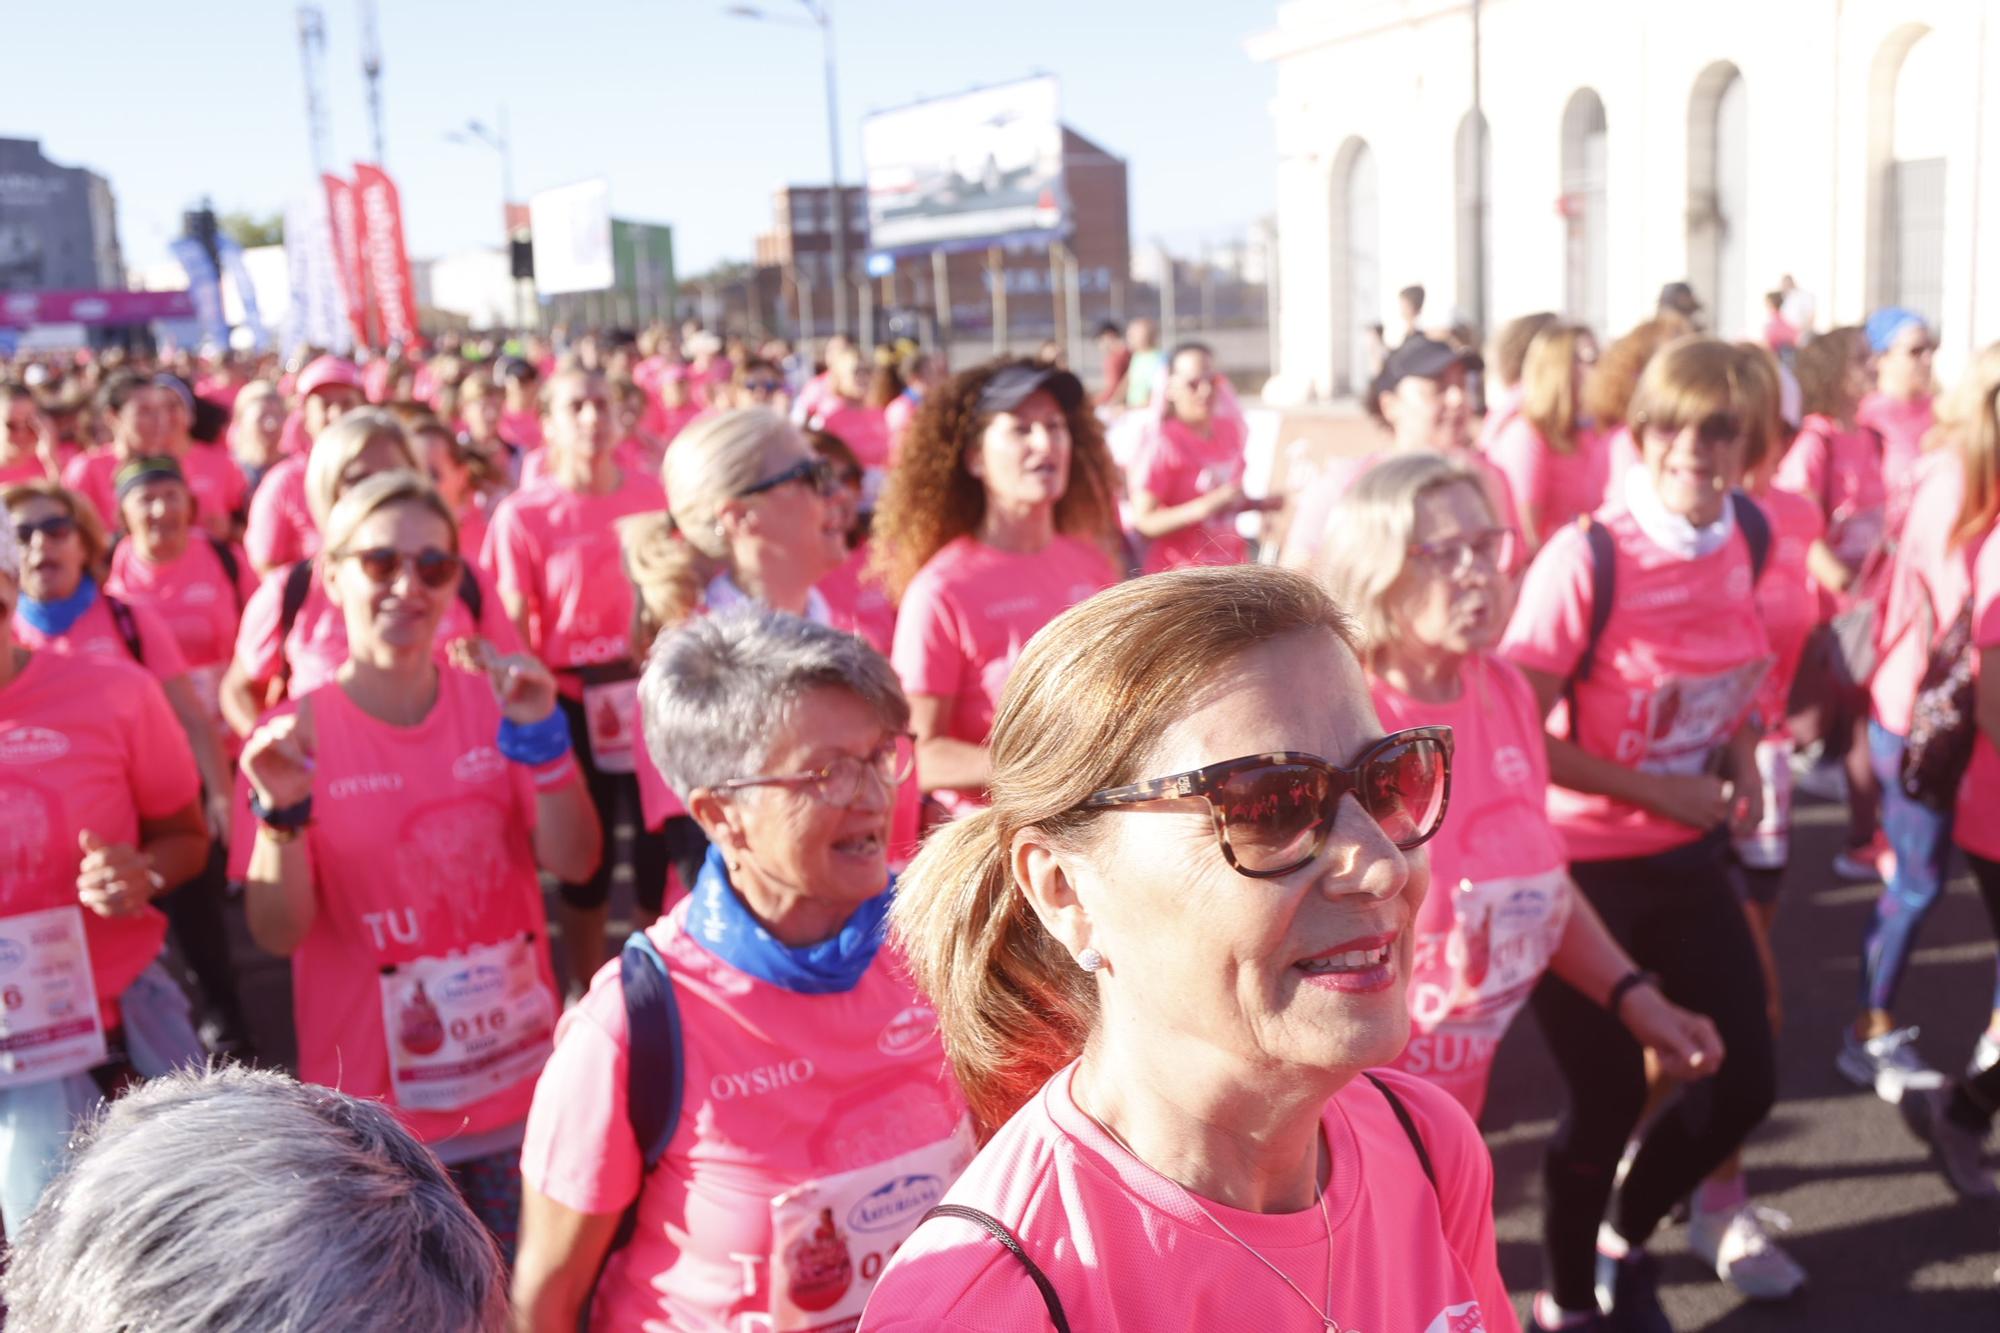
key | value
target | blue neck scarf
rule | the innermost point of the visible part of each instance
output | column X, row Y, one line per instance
column 721, row 923
column 53, row 619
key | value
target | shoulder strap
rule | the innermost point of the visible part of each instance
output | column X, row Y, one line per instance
column 128, row 627
column 998, row 1230
column 470, row 593
column 230, row 568
column 1409, row 1127
column 653, row 1062
column 298, row 583
column 1603, row 593
column 1756, row 531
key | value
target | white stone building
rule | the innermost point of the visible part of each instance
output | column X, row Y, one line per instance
column 1854, row 144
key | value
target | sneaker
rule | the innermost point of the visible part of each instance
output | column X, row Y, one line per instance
column 1737, row 1244
column 1628, row 1291
column 1593, row 1322
column 1872, row 860
column 1825, row 780
column 1985, row 1055
column 1958, row 1150
column 1888, row 1064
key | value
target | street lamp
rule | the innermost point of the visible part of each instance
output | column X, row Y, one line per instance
column 820, row 12
column 476, row 132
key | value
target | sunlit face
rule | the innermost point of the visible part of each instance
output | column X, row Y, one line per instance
column 1452, row 595
column 328, row 404
column 264, row 415
column 1693, row 467
column 580, row 422
column 398, row 617
column 1201, row 953
column 1905, row 369
column 792, row 526
column 157, row 514
column 1023, row 456
column 52, row 551
column 1191, row 387
column 151, row 421
column 1429, row 413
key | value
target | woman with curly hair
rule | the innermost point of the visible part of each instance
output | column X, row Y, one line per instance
column 1000, row 514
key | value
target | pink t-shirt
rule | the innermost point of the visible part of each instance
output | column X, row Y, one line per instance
column 1180, row 465
column 421, row 849
column 523, row 430
column 29, row 467
column 1841, row 472
column 970, row 611
column 782, row 1089
column 1928, row 583
column 1128, row 1252
column 86, row 744
column 1499, row 900
column 1503, row 405
column 859, row 603
column 1555, row 487
column 557, row 552
column 280, row 530
column 865, row 430
column 192, row 594
column 316, row 647
column 1787, row 596
column 218, row 484
column 1979, row 793
column 95, row 634
column 1676, row 673
column 1902, row 423
column 628, row 454
column 663, row 423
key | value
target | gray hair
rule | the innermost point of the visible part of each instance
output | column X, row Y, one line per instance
column 236, row 1200
column 717, row 688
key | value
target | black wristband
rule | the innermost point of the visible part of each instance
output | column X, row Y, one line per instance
column 286, row 818
column 1630, row 981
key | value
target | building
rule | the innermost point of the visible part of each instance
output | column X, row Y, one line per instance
column 794, row 283
column 58, row 225
column 1845, row 142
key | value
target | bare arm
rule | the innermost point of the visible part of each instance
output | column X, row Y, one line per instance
column 1151, row 519
column 242, row 700
column 1827, row 569
column 516, row 607
column 945, row 763
column 557, row 1261
column 216, row 780
column 568, row 839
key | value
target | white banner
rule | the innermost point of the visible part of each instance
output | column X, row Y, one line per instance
column 571, row 226
column 317, row 315
column 982, row 165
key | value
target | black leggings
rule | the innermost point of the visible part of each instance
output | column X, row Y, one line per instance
column 1677, row 915
column 613, row 793
column 1977, row 1099
column 194, row 913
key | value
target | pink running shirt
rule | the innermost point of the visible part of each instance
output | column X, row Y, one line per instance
column 1128, row 1252
column 1841, row 471
column 1500, row 898
column 1180, row 465
column 858, row 601
column 781, row 1089
column 1557, row 487
column 95, row 634
column 865, row 430
column 1902, row 424
column 280, row 530
column 1787, row 597
column 1979, row 793
column 1928, row 583
column 218, row 484
column 192, row 594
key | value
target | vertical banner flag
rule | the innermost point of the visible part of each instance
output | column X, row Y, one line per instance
column 344, row 214
column 205, row 286
column 318, row 313
column 388, row 267
column 231, row 255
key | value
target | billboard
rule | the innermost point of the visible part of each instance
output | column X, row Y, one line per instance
column 572, row 238
column 959, row 171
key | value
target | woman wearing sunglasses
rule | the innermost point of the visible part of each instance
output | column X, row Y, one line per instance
column 1652, row 767
column 1187, row 488
column 1163, row 958
column 1419, row 556
column 1900, row 406
column 815, row 1120
column 1000, row 514
column 397, row 817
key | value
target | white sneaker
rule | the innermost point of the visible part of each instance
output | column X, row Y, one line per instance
column 1738, row 1246
column 1960, row 1152
column 1888, row 1064
column 1825, row 780
column 1985, row 1055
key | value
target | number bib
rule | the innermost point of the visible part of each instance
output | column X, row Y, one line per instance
column 831, row 1238
column 460, row 1029
column 49, row 1021
column 611, row 715
column 1687, row 717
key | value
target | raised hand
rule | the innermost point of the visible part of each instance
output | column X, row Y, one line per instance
column 278, row 760
column 524, row 686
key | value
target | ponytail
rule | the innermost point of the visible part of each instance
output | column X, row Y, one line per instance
column 668, row 575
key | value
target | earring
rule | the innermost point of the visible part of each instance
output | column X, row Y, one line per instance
column 1090, row 960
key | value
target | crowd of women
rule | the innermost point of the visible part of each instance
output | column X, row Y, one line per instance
column 1069, row 889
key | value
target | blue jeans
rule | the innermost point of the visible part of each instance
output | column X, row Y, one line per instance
column 1921, row 839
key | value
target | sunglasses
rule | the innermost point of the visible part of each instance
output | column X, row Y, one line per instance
column 1274, row 812
column 55, row 527
column 816, row 472
column 763, row 386
column 435, row 569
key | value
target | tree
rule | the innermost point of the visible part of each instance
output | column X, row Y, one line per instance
column 248, row 230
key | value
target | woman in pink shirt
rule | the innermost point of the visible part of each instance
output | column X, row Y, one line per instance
column 1506, row 360
column 28, row 448
column 1640, row 635
column 773, row 1125
column 397, row 817
column 1173, row 935
column 850, row 410
column 853, row 591
column 1555, row 462
column 150, row 417
column 1898, row 407
column 920, row 372
column 1187, row 485
column 256, row 431
column 100, row 813
column 280, row 530
column 1001, row 513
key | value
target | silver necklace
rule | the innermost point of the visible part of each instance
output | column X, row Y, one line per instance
column 1322, row 1313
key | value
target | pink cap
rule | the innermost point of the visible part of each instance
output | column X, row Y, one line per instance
column 325, row 371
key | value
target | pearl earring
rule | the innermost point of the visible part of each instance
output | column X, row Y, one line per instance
column 1090, row 960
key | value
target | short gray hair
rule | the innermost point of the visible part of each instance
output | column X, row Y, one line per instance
column 717, row 688
column 236, row 1200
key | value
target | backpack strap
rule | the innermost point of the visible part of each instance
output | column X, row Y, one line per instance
column 471, row 594
column 298, row 583
column 654, row 1062
column 1756, row 530
column 232, row 570
column 998, row 1230
column 128, row 627
column 1409, row 1125
column 1603, row 592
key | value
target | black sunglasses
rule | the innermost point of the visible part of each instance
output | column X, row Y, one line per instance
column 816, row 472
column 1274, row 812
column 434, row 568
column 55, row 527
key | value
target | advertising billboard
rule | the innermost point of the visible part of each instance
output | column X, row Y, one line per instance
column 572, row 238
column 960, row 171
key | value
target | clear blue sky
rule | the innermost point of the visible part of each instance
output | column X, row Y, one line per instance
column 693, row 115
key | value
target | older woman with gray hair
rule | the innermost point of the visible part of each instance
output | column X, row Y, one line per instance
column 748, row 1112
column 236, row 1201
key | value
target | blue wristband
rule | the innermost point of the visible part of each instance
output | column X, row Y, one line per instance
column 534, row 743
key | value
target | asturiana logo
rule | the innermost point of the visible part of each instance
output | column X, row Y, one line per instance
column 908, row 1030
column 895, row 1204
column 32, row 745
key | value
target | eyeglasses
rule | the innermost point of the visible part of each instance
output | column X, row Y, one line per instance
column 815, row 472
column 1452, row 556
column 839, row 783
column 1719, row 428
column 434, row 568
column 1274, row 812
column 763, row 386
column 55, row 527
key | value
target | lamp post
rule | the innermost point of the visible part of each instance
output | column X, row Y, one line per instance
column 476, row 132
column 820, row 14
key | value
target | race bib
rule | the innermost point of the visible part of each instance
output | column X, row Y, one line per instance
column 460, row 1029
column 49, row 1021
column 1687, row 717
column 831, row 1238
column 1855, row 535
column 611, row 713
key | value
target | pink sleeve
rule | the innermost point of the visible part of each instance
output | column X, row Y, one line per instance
column 509, row 556
column 579, row 1149
column 159, row 762
column 266, row 533
column 1164, row 470
column 1519, row 454
column 927, row 653
column 1552, row 618
column 494, row 623
column 163, row 653
column 258, row 651
column 1803, row 471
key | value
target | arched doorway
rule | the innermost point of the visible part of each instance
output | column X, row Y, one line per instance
column 1719, row 197
column 1472, row 171
column 1357, row 263
column 1587, row 253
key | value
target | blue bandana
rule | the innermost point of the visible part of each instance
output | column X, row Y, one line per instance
column 721, row 923
column 53, row 619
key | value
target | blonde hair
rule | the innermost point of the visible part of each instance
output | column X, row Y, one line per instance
column 1970, row 414
column 365, row 498
column 336, row 449
column 1689, row 381
column 1507, row 353
column 671, row 556
column 90, row 528
column 1550, row 386
column 1085, row 706
column 1370, row 530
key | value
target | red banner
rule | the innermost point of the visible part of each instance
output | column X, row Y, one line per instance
column 388, row 266
column 349, row 240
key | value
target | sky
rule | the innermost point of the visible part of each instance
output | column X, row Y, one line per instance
column 694, row 115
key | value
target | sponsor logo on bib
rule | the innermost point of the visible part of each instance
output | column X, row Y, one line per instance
column 1462, row 1318
column 12, row 955
column 480, row 764
column 32, row 745
column 897, row 1204
column 908, row 1030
